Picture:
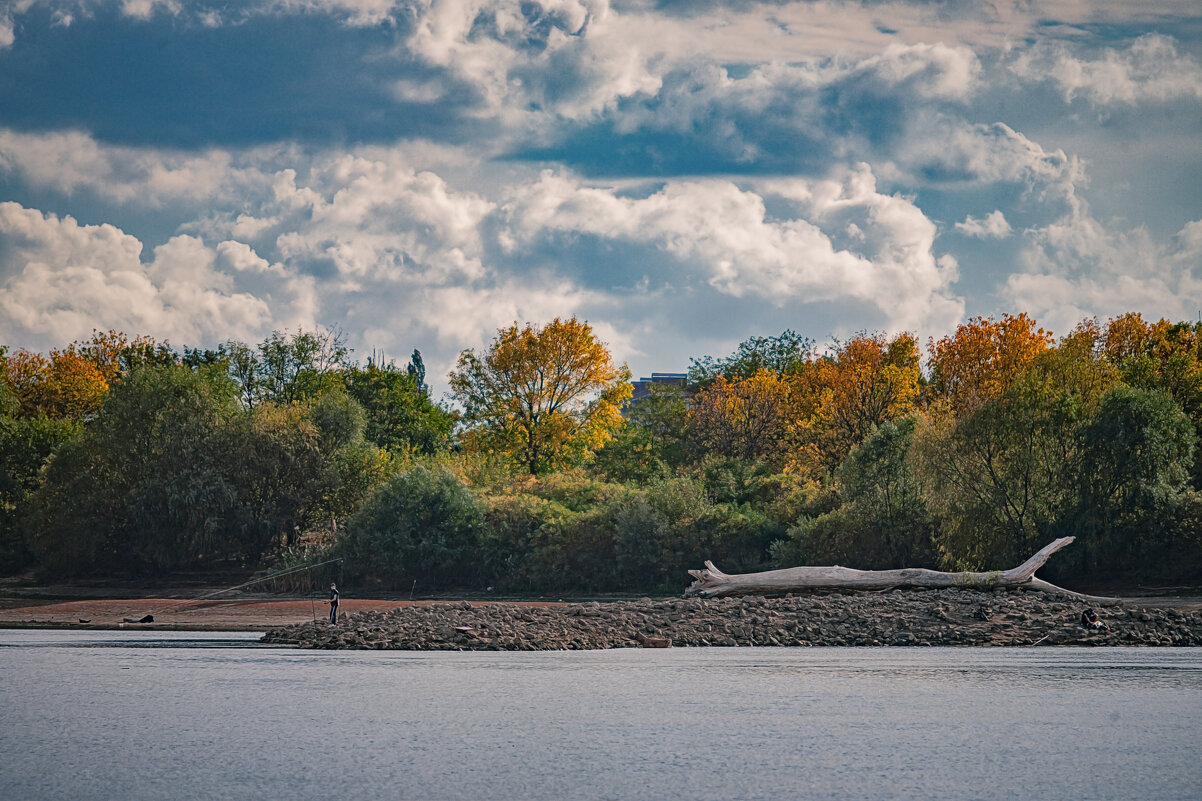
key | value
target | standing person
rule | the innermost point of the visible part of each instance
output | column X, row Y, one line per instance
column 333, row 602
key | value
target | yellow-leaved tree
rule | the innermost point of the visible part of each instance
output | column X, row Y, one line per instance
column 547, row 395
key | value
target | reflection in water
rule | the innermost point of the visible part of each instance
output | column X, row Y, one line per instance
column 126, row 715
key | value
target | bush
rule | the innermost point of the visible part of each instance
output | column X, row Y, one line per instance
column 424, row 524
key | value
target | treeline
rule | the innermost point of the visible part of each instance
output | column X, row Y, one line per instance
column 123, row 456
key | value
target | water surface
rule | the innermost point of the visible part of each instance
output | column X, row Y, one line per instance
column 131, row 715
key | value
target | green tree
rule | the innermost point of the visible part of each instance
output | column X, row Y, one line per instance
column 94, row 510
column 286, row 368
column 782, row 355
column 1137, row 450
column 549, row 396
column 401, row 417
column 174, row 471
column 25, row 445
column 423, row 525
column 654, row 440
column 881, row 521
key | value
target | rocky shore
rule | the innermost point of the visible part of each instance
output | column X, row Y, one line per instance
column 896, row 617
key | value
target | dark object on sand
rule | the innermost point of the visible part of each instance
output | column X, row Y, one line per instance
column 146, row 619
column 1090, row 621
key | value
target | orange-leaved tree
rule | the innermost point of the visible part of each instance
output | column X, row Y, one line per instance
column 63, row 385
column 844, row 395
column 983, row 357
column 547, row 395
column 744, row 418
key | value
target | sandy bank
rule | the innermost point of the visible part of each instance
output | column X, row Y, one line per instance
column 170, row 614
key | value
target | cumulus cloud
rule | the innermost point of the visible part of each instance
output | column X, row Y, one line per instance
column 371, row 215
column 1079, row 267
column 72, row 161
column 1149, row 70
column 61, row 279
column 949, row 149
column 723, row 233
column 992, row 226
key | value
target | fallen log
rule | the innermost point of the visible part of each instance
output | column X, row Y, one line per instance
column 713, row 583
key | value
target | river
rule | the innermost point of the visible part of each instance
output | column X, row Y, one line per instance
column 132, row 715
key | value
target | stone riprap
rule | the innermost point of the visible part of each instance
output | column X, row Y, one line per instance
column 897, row 617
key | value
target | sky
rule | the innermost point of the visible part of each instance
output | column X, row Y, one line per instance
column 682, row 174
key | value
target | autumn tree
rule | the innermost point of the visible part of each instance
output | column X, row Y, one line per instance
column 1160, row 356
column 548, row 395
column 980, row 360
column 115, row 354
column 63, row 385
column 844, row 395
column 744, row 418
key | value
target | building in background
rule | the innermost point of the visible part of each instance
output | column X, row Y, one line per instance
column 642, row 387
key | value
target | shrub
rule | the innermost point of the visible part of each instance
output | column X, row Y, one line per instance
column 424, row 524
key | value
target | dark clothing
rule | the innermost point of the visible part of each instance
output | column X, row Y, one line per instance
column 1090, row 620
column 333, row 606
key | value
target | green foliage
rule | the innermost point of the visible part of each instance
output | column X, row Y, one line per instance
column 25, row 446
column 782, row 354
column 400, row 415
column 174, row 472
column 286, row 368
column 94, row 510
column 1002, row 478
column 424, row 524
column 156, row 462
column 881, row 521
column 655, row 440
column 1137, row 450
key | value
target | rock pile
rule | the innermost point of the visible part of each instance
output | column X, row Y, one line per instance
column 897, row 617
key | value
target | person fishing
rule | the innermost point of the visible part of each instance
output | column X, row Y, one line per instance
column 333, row 602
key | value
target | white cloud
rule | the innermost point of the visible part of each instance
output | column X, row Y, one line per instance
column 62, row 279
column 373, row 216
column 992, row 226
column 145, row 9
column 7, row 34
column 984, row 153
column 71, row 161
column 937, row 70
column 1078, row 267
column 725, row 235
column 1149, row 70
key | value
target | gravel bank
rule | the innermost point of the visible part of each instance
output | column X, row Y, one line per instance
column 897, row 617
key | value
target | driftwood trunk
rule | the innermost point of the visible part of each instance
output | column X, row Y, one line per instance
column 713, row 583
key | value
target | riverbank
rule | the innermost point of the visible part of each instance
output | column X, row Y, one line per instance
column 897, row 617
column 171, row 614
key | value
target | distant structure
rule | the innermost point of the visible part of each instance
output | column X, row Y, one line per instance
column 642, row 387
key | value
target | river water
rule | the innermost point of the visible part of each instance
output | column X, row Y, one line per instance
column 131, row 715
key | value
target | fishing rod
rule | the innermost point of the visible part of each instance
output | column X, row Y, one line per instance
column 269, row 577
